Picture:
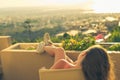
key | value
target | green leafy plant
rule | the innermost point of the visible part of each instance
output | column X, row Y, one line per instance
column 72, row 44
column 115, row 47
column 31, row 48
column 115, row 37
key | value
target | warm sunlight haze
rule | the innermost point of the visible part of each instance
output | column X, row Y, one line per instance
column 106, row 6
column 30, row 31
column 99, row 6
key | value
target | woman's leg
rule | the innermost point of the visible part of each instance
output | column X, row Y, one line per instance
column 57, row 52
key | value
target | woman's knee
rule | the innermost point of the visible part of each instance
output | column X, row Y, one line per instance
column 60, row 49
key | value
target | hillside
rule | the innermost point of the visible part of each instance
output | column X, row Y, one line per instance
column 31, row 23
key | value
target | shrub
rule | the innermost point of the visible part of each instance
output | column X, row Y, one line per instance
column 115, row 47
column 115, row 37
column 72, row 44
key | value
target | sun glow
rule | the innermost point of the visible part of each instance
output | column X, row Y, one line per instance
column 106, row 6
column 98, row 6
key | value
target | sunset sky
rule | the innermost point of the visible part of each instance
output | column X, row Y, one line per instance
column 97, row 5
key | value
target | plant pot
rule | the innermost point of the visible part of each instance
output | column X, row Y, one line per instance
column 21, row 64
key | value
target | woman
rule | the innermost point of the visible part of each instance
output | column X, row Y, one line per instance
column 95, row 62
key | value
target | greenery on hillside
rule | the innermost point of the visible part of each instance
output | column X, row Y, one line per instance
column 115, row 37
column 29, row 25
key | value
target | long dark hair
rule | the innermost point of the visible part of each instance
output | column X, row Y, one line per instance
column 97, row 64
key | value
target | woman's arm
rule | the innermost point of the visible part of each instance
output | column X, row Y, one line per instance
column 68, row 59
column 61, row 64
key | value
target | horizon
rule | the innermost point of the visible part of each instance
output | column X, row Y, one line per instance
column 99, row 6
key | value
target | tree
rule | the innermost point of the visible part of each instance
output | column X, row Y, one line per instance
column 115, row 37
column 28, row 26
